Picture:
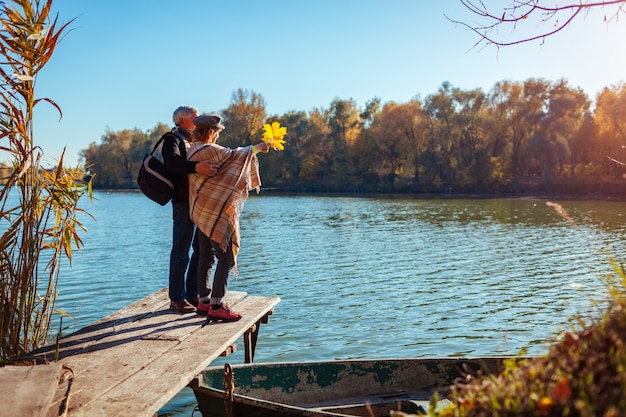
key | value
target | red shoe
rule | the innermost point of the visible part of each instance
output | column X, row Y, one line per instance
column 222, row 314
column 203, row 309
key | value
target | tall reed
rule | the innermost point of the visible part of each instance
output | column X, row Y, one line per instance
column 38, row 207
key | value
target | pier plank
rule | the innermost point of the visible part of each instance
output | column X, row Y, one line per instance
column 135, row 360
column 170, row 373
column 78, row 341
column 17, row 394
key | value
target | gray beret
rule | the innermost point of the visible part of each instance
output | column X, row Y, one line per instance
column 208, row 120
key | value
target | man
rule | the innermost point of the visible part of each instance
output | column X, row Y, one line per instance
column 183, row 292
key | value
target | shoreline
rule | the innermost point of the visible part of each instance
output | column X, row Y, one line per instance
column 276, row 191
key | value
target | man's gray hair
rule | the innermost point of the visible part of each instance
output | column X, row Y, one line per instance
column 182, row 113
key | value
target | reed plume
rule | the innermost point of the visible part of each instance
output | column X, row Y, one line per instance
column 38, row 207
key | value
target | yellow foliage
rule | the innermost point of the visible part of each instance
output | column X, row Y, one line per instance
column 273, row 135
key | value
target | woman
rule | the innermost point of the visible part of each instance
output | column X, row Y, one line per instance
column 214, row 206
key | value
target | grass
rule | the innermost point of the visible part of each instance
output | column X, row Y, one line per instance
column 583, row 374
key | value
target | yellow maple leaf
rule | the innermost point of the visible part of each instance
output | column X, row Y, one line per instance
column 273, row 135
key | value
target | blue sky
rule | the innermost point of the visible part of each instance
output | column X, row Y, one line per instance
column 129, row 64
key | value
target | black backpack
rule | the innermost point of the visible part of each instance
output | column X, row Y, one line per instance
column 154, row 180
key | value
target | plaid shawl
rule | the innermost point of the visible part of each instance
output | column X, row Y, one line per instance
column 215, row 202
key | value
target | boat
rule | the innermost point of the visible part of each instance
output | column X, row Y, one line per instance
column 371, row 387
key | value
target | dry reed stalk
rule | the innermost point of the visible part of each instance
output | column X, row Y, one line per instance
column 38, row 207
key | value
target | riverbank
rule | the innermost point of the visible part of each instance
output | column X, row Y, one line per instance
column 559, row 188
column 569, row 188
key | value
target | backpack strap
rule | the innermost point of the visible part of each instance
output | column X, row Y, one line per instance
column 178, row 134
column 156, row 145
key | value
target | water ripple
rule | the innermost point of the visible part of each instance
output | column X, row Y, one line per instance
column 363, row 277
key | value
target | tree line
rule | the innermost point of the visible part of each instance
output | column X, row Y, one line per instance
column 519, row 133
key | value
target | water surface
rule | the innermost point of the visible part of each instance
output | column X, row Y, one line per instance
column 370, row 277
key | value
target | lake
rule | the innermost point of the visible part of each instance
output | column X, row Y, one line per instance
column 364, row 277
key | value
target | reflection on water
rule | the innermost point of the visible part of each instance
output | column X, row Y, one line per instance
column 370, row 277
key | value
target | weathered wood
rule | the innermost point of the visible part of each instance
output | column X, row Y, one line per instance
column 251, row 336
column 231, row 349
column 110, row 325
column 135, row 360
column 174, row 370
column 20, row 397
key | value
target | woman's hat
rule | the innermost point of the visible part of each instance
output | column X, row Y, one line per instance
column 205, row 121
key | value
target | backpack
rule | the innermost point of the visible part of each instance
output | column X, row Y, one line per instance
column 154, row 180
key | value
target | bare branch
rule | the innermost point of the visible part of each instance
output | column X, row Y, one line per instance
column 524, row 10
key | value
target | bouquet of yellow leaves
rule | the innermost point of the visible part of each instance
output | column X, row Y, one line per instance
column 273, row 135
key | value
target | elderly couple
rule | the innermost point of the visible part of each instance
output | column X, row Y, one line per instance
column 212, row 185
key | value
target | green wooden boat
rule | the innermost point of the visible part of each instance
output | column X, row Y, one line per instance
column 333, row 388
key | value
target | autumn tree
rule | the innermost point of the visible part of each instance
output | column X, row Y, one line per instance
column 610, row 119
column 393, row 143
column 244, row 119
column 370, row 149
column 460, row 140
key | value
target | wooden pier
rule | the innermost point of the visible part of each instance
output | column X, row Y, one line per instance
column 132, row 362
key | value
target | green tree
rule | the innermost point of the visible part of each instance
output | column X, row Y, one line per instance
column 289, row 162
column 345, row 124
column 372, row 107
column 525, row 104
column 468, row 126
column 565, row 114
column 584, row 148
column 316, row 149
column 414, row 127
column 496, row 123
column 438, row 161
column 497, row 133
